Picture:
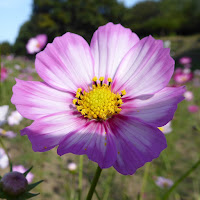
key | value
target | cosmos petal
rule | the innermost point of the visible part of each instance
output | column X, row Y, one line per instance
column 36, row 99
column 157, row 109
column 137, row 143
column 109, row 45
column 91, row 139
column 66, row 64
column 45, row 133
column 146, row 68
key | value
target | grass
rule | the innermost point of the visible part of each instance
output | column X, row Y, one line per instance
column 182, row 152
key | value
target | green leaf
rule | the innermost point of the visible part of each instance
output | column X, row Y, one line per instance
column 26, row 172
column 11, row 166
column 28, row 196
column 31, row 186
column 187, row 173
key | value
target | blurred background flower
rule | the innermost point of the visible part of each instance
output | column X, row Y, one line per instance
column 15, row 118
column 163, row 182
column 4, row 161
column 3, row 114
column 22, row 169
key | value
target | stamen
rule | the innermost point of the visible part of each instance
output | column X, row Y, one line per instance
column 109, row 81
column 123, row 92
column 95, row 80
column 101, row 79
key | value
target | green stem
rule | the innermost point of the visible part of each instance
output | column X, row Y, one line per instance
column 108, row 184
column 144, row 180
column 166, row 195
column 94, row 183
column 80, row 177
column 166, row 161
column 5, row 149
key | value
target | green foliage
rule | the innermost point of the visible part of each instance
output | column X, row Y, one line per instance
column 55, row 18
column 6, row 48
column 83, row 17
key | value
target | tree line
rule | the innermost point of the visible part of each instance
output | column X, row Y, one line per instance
column 155, row 17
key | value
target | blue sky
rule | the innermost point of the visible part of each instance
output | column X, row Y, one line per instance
column 13, row 13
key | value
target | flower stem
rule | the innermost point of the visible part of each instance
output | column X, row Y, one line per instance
column 5, row 149
column 144, row 180
column 94, row 183
column 166, row 195
column 80, row 177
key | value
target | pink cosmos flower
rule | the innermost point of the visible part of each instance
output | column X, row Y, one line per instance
column 188, row 95
column 114, row 120
column 182, row 76
column 163, row 182
column 10, row 57
column 193, row 108
column 35, row 44
column 185, row 60
column 22, row 169
column 4, row 74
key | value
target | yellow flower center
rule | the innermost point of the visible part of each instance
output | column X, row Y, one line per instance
column 99, row 103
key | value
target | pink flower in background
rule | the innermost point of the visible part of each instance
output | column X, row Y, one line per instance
column 29, row 78
column 10, row 57
column 112, row 120
column 163, row 182
column 182, row 76
column 22, row 169
column 188, row 95
column 25, row 76
column 36, row 44
column 185, row 60
column 9, row 134
column 4, row 74
column 193, row 108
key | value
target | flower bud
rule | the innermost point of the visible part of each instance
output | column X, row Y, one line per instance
column 14, row 183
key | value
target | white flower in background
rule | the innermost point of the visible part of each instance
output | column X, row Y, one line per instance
column 3, row 114
column 15, row 118
column 9, row 134
column 167, row 44
column 188, row 95
column 72, row 166
column 163, row 182
column 166, row 128
column 186, row 71
column 17, row 67
column 4, row 161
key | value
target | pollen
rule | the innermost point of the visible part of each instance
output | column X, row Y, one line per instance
column 100, row 102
